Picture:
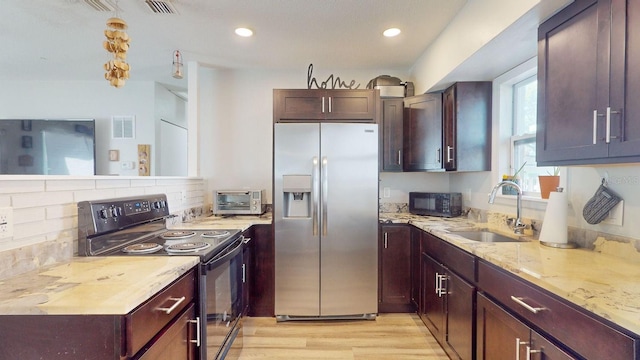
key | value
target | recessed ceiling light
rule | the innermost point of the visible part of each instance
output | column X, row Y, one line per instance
column 391, row 32
column 244, row 32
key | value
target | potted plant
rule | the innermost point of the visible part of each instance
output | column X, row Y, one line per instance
column 509, row 190
column 549, row 183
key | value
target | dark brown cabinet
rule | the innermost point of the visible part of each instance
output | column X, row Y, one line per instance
column 416, row 278
column 422, row 132
column 262, row 271
column 247, row 275
column 587, row 83
column 325, row 105
column 391, row 134
column 502, row 336
column 467, row 127
column 447, row 307
column 163, row 327
column 395, row 269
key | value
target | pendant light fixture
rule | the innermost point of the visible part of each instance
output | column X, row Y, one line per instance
column 117, row 43
column 177, row 65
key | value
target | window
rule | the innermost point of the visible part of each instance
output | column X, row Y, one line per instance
column 523, row 136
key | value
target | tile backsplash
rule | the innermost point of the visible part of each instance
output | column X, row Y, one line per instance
column 45, row 229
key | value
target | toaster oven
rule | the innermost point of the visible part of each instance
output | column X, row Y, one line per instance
column 238, row 202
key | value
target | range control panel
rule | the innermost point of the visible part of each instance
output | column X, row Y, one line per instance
column 101, row 216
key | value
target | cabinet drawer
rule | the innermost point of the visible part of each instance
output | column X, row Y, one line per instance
column 581, row 332
column 145, row 322
column 456, row 259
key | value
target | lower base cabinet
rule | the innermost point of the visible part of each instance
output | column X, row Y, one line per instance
column 502, row 336
column 394, row 251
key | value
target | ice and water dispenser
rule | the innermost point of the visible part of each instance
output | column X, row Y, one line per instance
column 296, row 190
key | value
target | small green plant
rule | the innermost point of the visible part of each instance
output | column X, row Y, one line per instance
column 556, row 171
column 515, row 175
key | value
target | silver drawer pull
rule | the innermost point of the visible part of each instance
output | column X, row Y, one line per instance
column 521, row 302
column 177, row 303
column 197, row 340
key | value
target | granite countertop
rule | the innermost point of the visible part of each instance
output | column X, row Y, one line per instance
column 112, row 285
column 602, row 283
column 242, row 222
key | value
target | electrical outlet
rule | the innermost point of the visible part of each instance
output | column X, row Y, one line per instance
column 6, row 222
column 615, row 215
column 386, row 192
column 183, row 196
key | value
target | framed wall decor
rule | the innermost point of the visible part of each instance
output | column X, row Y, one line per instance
column 114, row 155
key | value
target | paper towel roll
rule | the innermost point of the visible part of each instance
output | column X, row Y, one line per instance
column 554, row 227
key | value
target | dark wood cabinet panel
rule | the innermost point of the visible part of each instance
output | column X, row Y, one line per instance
column 391, row 134
column 416, row 277
column 587, row 83
column 422, row 132
column 262, row 283
column 579, row 330
column 433, row 314
column 395, row 269
column 321, row 104
column 247, row 274
column 126, row 336
column 460, row 316
column 467, row 126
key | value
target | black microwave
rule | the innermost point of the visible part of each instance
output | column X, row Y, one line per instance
column 435, row 204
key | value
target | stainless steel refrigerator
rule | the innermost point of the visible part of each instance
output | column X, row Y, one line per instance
column 325, row 212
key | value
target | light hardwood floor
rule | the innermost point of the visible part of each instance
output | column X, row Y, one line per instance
column 390, row 336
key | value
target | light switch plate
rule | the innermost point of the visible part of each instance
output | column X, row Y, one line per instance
column 6, row 222
column 615, row 215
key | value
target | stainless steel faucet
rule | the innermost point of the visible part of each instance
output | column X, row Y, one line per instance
column 518, row 226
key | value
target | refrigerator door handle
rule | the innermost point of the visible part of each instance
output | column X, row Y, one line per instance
column 316, row 195
column 324, row 196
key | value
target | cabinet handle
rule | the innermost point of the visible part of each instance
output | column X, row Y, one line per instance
column 246, row 239
column 595, row 126
column 197, row 340
column 437, row 283
column 399, row 157
column 443, row 286
column 449, row 153
column 178, row 301
column 438, row 155
column 323, row 104
column 330, row 103
column 385, row 240
column 518, row 344
column 529, row 352
column 244, row 273
column 609, row 112
column 521, row 302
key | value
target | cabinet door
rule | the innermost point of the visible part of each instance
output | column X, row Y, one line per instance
column 573, row 83
column 415, row 267
column 625, row 79
column 350, row 105
column 422, row 132
column 467, row 126
column 395, row 269
column 176, row 341
column 262, row 293
column 543, row 349
column 460, row 300
column 500, row 336
column 299, row 104
column 247, row 255
column 433, row 275
column 392, row 111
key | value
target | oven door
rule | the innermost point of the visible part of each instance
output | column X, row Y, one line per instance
column 221, row 299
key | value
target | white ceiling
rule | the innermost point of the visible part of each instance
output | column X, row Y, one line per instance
column 62, row 39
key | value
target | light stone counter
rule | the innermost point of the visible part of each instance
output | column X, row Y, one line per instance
column 112, row 285
column 242, row 222
column 596, row 280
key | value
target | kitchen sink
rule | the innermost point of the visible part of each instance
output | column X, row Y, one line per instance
column 483, row 235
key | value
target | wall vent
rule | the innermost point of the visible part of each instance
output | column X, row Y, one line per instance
column 161, row 7
column 123, row 127
column 100, row 5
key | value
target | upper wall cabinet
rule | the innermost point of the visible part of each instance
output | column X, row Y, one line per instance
column 422, row 132
column 587, row 78
column 449, row 131
column 323, row 105
column 467, row 127
column 391, row 134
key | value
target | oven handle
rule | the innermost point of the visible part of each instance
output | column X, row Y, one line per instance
column 226, row 254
